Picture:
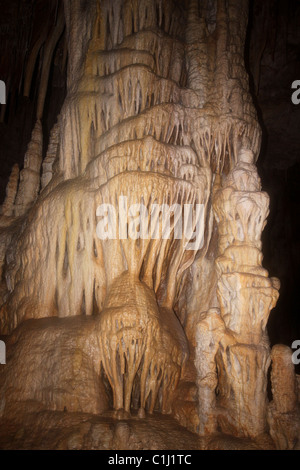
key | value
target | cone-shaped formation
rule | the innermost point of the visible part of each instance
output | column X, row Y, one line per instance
column 52, row 154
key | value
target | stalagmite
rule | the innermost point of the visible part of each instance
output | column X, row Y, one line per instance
column 11, row 191
column 49, row 49
column 50, row 158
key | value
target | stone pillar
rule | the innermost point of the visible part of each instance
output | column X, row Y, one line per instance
column 246, row 296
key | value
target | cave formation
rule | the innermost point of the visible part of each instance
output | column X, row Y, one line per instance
column 105, row 335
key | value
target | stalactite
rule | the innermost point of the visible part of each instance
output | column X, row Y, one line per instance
column 11, row 192
column 51, row 156
column 32, row 63
column 30, row 175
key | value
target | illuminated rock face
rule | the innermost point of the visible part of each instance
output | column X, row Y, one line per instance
column 158, row 112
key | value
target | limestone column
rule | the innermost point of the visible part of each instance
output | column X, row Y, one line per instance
column 246, row 295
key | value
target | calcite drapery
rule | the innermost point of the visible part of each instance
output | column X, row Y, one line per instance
column 158, row 111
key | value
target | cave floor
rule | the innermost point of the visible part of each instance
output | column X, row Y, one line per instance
column 63, row 430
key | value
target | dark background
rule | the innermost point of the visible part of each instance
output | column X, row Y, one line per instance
column 272, row 57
